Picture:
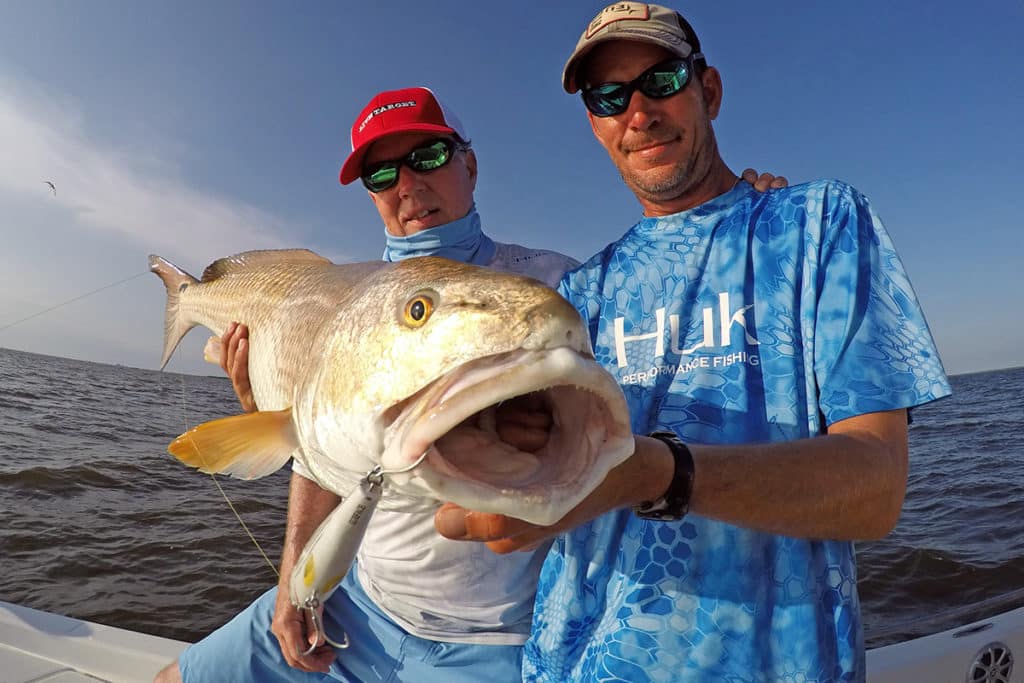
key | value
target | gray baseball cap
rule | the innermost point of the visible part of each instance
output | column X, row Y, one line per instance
column 637, row 21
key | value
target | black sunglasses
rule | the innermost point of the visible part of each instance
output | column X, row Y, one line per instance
column 660, row 81
column 425, row 158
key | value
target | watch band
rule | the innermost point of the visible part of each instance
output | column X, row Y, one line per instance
column 676, row 502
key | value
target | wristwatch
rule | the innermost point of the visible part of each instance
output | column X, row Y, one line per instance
column 674, row 504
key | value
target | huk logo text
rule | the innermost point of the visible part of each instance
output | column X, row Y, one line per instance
column 725, row 323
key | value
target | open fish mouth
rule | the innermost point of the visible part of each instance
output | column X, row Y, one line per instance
column 453, row 421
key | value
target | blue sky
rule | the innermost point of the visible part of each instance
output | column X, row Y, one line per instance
column 194, row 130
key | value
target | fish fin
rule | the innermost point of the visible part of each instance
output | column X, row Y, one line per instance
column 212, row 350
column 246, row 446
column 176, row 281
column 262, row 257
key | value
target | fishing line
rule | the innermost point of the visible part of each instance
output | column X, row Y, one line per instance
column 184, row 402
column 71, row 301
column 378, row 470
column 238, row 516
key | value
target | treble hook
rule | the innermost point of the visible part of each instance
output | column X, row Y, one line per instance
column 328, row 555
column 318, row 626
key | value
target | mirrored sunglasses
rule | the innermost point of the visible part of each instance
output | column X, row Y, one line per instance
column 660, row 81
column 428, row 157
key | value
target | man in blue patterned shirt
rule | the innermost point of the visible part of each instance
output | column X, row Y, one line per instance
column 773, row 344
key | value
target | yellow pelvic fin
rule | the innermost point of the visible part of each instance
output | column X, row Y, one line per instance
column 245, row 446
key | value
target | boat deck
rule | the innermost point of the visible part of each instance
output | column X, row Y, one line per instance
column 39, row 647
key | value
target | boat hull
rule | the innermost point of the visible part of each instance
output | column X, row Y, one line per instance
column 36, row 646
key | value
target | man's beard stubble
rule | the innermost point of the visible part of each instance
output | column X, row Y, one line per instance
column 680, row 179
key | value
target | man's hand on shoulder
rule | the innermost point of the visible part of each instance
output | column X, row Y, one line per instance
column 764, row 181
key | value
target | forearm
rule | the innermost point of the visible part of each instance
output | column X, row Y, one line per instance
column 848, row 484
column 308, row 506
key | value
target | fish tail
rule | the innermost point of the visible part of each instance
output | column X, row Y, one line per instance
column 176, row 281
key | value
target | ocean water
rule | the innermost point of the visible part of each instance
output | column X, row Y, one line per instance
column 98, row 522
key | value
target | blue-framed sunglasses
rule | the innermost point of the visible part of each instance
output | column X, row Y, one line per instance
column 660, row 81
column 425, row 158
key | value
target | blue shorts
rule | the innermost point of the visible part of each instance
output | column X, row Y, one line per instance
column 244, row 650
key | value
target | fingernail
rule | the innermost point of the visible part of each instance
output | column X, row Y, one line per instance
column 451, row 523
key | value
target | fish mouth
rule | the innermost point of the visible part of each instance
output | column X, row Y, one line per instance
column 452, row 422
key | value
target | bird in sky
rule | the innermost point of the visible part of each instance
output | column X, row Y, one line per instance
column 51, row 187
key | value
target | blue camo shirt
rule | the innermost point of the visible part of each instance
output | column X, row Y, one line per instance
column 751, row 318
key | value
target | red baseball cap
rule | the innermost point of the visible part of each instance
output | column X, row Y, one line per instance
column 410, row 110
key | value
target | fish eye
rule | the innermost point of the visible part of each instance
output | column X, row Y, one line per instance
column 418, row 310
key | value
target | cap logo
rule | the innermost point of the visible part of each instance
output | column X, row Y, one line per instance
column 620, row 11
column 383, row 108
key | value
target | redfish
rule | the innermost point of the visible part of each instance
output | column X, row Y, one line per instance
column 399, row 367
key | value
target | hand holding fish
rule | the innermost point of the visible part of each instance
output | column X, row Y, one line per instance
column 234, row 360
column 231, row 352
column 642, row 477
